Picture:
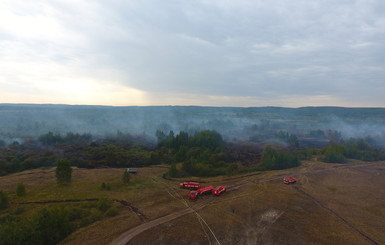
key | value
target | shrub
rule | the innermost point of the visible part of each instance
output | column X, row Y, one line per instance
column 173, row 172
column 63, row 171
column 20, row 189
column 3, row 200
column 105, row 186
column 103, row 204
column 126, row 177
column 271, row 159
column 75, row 213
column 335, row 154
column 52, row 225
column 113, row 211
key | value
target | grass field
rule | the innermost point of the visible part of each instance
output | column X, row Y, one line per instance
column 261, row 211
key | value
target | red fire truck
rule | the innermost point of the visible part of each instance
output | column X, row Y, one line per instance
column 289, row 180
column 218, row 190
column 190, row 185
column 205, row 190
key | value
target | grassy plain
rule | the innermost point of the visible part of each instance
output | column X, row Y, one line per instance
column 261, row 211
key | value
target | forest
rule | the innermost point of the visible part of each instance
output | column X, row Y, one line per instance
column 194, row 141
column 204, row 153
column 189, row 141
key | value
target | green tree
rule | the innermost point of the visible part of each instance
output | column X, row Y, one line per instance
column 269, row 156
column 20, row 189
column 51, row 225
column 160, row 136
column 50, row 138
column 173, row 172
column 293, row 141
column 187, row 166
column 3, row 200
column 126, row 177
column 103, row 204
column 63, row 171
column 271, row 159
column 335, row 153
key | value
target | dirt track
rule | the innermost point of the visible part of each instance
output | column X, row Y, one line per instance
column 124, row 238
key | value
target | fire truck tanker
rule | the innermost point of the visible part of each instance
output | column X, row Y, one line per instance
column 205, row 190
column 193, row 195
column 190, row 185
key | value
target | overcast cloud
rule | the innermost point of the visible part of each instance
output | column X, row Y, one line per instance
column 224, row 53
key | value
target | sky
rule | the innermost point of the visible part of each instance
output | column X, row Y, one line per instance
column 288, row 53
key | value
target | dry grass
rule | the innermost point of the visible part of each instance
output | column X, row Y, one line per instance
column 102, row 232
column 41, row 184
column 273, row 213
column 258, row 213
column 356, row 194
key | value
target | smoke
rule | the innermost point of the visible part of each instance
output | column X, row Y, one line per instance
column 18, row 122
column 360, row 129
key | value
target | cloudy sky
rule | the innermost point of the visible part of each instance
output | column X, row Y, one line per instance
column 193, row 52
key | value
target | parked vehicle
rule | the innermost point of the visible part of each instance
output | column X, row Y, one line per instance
column 132, row 171
column 289, row 180
column 218, row 190
column 193, row 195
column 190, row 185
column 205, row 190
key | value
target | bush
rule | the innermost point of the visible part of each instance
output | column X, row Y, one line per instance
column 271, row 159
column 335, row 154
column 173, row 172
column 75, row 213
column 3, row 200
column 48, row 226
column 52, row 225
column 113, row 211
column 105, row 186
column 126, row 177
column 20, row 189
column 63, row 171
column 103, row 204
column 92, row 216
column 19, row 210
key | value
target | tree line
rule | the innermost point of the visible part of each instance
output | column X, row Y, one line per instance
column 201, row 154
column 204, row 153
column 360, row 149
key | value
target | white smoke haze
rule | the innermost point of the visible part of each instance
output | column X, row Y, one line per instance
column 19, row 122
